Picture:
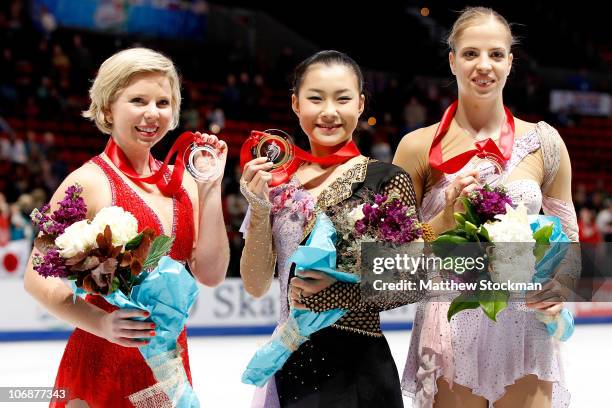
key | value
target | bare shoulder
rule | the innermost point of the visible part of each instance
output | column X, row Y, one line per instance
column 417, row 141
column 96, row 190
column 89, row 176
column 190, row 185
column 522, row 127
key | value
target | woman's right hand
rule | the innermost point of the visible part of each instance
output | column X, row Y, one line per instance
column 461, row 186
column 118, row 327
column 255, row 177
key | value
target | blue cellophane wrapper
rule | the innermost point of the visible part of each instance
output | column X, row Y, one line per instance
column 167, row 292
column 561, row 326
column 318, row 254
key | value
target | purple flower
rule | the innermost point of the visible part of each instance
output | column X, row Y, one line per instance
column 52, row 264
column 488, row 202
column 40, row 217
column 71, row 209
column 379, row 199
column 360, row 227
column 389, row 221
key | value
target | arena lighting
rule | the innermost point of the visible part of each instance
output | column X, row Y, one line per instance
column 371, row 121
column 425, row 11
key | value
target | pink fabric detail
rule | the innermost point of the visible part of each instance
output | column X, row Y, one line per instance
column 565, row 211
column 436, row 352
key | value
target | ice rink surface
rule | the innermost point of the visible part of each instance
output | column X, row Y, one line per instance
column 217, row 364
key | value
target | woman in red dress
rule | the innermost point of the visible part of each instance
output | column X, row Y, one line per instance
column 135, row 99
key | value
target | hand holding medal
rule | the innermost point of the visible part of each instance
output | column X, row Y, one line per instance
column 278, row 149
column 202, row 155
column 285, row 157
column 205, row 157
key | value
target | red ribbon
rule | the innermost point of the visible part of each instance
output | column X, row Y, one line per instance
column 168, row 188
column 484, row 148
column 282, row 174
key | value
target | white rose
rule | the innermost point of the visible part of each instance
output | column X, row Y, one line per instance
column 356, row 214
column 511, row 227
column 512, row 262
column 79, row 237
column 123, row 225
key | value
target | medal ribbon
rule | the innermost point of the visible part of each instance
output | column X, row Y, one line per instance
column 483, row 149
column 168, row 188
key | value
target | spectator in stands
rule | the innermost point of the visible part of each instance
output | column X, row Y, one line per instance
column 604, row 220
column 230, row 98
column 598, row 199
column 261, row 97
column 5, row 216
column 414, row 115
column 580, row 197
column 135, row 99
column 392, row 97
column 284, row 64
column 216, row 120
column 47, row 21
column 39, row 198
column 6, row 147
column 236, row 205
column 381, row 150
column 60, row 61
column 48, row 144
column 453, row 369
column 33, row 148
column 247, row 92
column 19, row 153
column 81, row 59
column 21, row 228
column 589, row 233
column 8, row 90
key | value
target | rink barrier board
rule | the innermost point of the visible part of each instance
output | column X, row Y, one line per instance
column 8, row 336
column 226, row 310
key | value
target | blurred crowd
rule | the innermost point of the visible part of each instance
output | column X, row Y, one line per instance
column 45, row 74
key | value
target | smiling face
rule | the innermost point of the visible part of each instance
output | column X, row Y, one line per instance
column 142, row 112
column 328, row 104
column 481, row 60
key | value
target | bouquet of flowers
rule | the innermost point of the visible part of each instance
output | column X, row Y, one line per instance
column 108, row 256
column 100, row 256
column 381, row 218
column 491, row 217
column 386, row 219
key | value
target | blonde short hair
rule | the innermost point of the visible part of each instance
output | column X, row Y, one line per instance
column 471, row 16
column 116, row 73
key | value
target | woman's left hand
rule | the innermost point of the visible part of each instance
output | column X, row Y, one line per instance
column 309, row 283
column 549, row 300
column 221, row 147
